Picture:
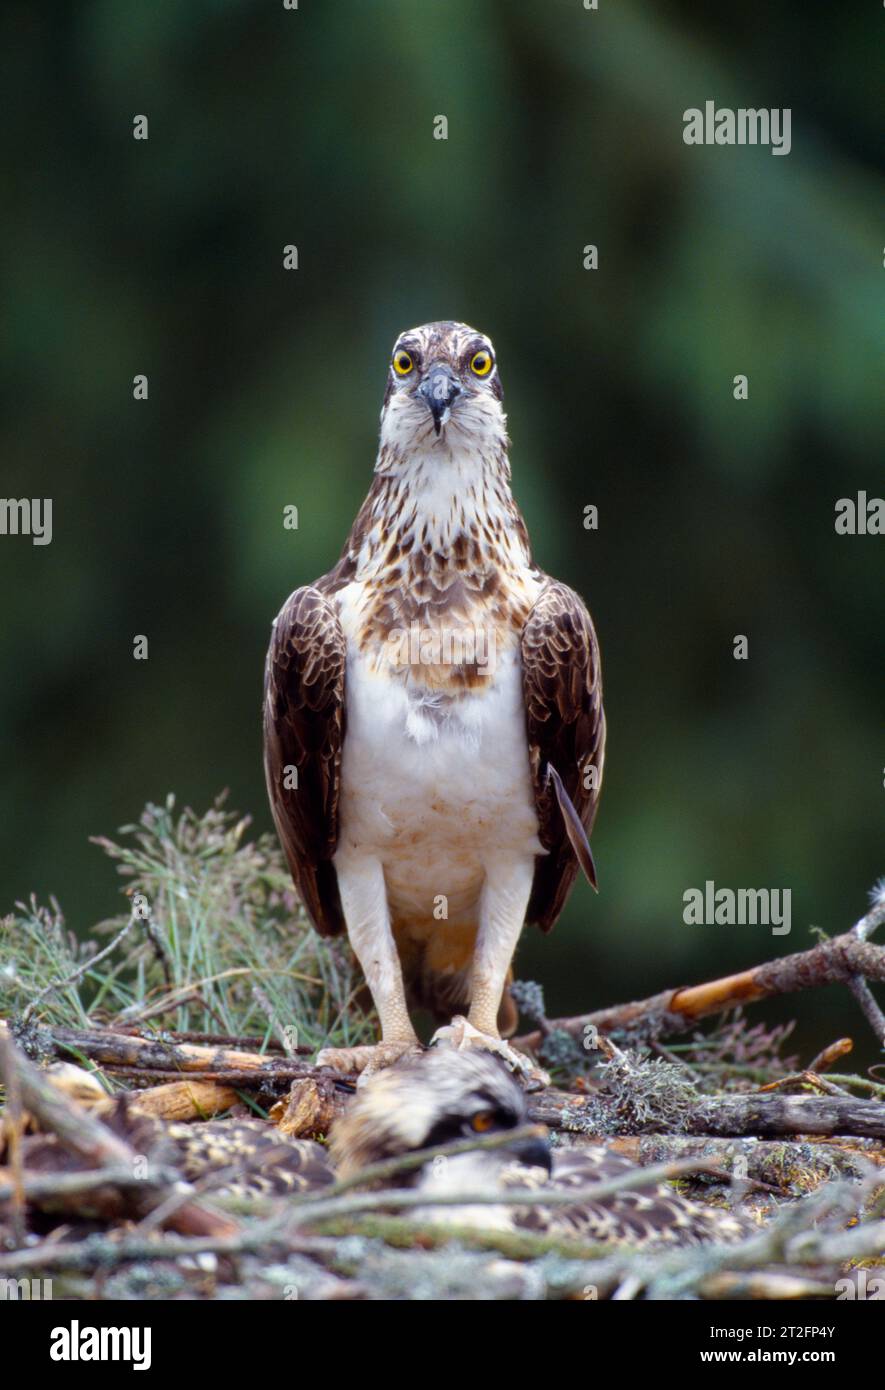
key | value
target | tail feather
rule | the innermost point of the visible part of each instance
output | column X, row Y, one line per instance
column 573, row 827
column 446, row 995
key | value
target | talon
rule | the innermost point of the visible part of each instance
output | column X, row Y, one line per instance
column 369, row 1058
column 461, row 1035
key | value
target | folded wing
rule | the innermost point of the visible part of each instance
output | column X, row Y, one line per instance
column 303, row 738
column 562, row 686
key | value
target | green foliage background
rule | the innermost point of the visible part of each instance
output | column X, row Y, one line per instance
column 270, row 126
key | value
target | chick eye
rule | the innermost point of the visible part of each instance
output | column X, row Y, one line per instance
column 481, row 363
column 482, row 1122
column 402, row 362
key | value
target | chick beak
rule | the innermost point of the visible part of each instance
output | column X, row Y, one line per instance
column 535, row 1153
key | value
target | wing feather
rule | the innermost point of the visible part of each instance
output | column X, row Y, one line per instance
column 304, row 729
column 565, row 722
column 653, row 1217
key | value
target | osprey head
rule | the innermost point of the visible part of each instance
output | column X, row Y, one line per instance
column 442, row 387
column 439, row 1097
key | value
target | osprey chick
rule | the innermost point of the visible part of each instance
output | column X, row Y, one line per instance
column 433, row 719
column 445, row 1096
column 418, row 1104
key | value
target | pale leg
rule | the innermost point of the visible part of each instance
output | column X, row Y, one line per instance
column 505, row 898
column 364, row 900
column 502, row 909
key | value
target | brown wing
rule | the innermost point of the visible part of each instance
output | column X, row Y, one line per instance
column 655, row 1216
column 562, row 686
column 304, row 732
column 253, row 1157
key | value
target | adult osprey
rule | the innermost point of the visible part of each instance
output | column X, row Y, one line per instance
column 433, row 719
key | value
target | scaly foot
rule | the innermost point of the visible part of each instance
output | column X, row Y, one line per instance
column 369, row 1058
column 461, row 1035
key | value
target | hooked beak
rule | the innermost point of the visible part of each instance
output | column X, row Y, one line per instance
column 438, row 390
column 535, row 1153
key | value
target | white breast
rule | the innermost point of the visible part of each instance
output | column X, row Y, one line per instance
column 433, row 786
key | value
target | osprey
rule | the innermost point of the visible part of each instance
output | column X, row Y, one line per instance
column 420, row 1103
column 433, row 722
column 445, row 1096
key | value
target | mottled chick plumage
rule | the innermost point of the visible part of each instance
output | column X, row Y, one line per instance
column 438, row 1097
column 442, row 1096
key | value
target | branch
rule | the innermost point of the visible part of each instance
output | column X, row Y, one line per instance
column 88, row 1139
column 319, row 1207
column 168, row 1059
column 846, row 959
column 47, row 1185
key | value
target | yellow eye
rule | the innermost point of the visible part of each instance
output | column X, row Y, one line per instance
column 482, row 1122
column 402, row 363
column 481, row 363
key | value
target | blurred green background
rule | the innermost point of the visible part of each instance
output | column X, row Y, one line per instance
column 315, row 127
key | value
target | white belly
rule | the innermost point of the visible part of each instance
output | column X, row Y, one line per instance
column 434, row 788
